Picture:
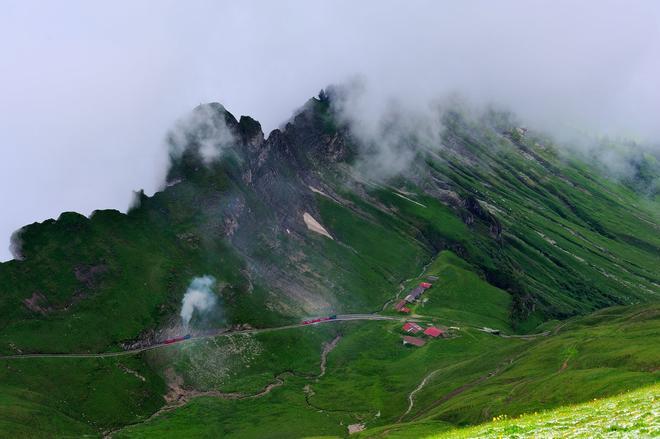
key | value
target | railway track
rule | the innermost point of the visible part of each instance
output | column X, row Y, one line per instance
column 220, row 333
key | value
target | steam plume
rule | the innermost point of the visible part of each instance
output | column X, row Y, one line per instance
column 199, row 297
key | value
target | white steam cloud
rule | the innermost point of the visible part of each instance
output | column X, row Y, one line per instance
column 199, row 297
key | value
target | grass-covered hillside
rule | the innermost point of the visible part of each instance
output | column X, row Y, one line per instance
column 266, row 385
column 522, row 239
column 632, row 414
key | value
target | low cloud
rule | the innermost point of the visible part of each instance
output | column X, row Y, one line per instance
column 204, row 130
column 389, row 131
column 89, row 90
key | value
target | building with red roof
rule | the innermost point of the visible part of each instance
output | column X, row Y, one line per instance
column 415, row 341
column 401, row 307
column 414, row 294
column 425, row 285
column 412, row 327
column 434, row 332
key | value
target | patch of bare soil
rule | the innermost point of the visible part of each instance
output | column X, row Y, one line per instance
column 324, row 355
column 132, row 372
column 355, row 428
column 178, row 395
column 315, row 226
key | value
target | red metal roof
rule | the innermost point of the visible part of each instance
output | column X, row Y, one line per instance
column 434, row 332
column 425, row 285
column 400, row 305
column 404, row 309
column 412, row 327
column 415, row 341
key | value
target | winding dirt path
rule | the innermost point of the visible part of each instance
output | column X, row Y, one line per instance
column 179, row 396
column 324, row 355
column 457, row 391
column 411, row 396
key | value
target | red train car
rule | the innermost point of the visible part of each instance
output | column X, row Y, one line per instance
column 176, row 339
column 320, row 319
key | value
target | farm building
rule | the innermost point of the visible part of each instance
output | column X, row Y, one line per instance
column 417, row 291
column 432, row 278
column 412, row 328
column 415, row 341
column 401, row 307
column 414, row 294
column 434, row 332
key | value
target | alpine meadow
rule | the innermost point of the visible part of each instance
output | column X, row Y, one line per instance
column 393, row 260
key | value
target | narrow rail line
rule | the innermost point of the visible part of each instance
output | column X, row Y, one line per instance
column 220, row 333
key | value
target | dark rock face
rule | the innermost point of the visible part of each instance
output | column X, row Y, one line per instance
column 273, row 182
column 37, row 303
column 250, row 132
column 476, row 210
column 88, row 275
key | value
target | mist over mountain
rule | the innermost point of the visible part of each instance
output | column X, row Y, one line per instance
column 330, row 219
column 85, row 107
column 498, row 239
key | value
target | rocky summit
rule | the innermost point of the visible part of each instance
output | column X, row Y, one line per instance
column 324, row 280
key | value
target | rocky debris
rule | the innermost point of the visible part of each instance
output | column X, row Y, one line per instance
column 88, row 275
column 233, row 211
column 327, row 348
column 355, row 428
column 191, row 239
column 475, row 210
column 240, row 327
column 37, row 303
column 131, row 372
column 147, row 338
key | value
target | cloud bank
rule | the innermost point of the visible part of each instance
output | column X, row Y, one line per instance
column 89, row 91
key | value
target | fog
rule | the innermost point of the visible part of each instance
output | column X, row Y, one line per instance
column 88, row 92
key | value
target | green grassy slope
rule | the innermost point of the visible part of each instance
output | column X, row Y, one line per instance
column 370, row 374
column 574, row 240
column 358, row 388
column 71, row 397
column 632, row 414
column 603, row 354
column 460, row 297
column 516, row 233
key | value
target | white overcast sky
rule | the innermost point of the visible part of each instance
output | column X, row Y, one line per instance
column 89, row 89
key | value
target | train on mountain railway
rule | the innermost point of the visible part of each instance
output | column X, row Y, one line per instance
column 176, row 339
column 320, row 319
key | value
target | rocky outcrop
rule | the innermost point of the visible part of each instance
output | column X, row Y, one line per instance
column 474, row 210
